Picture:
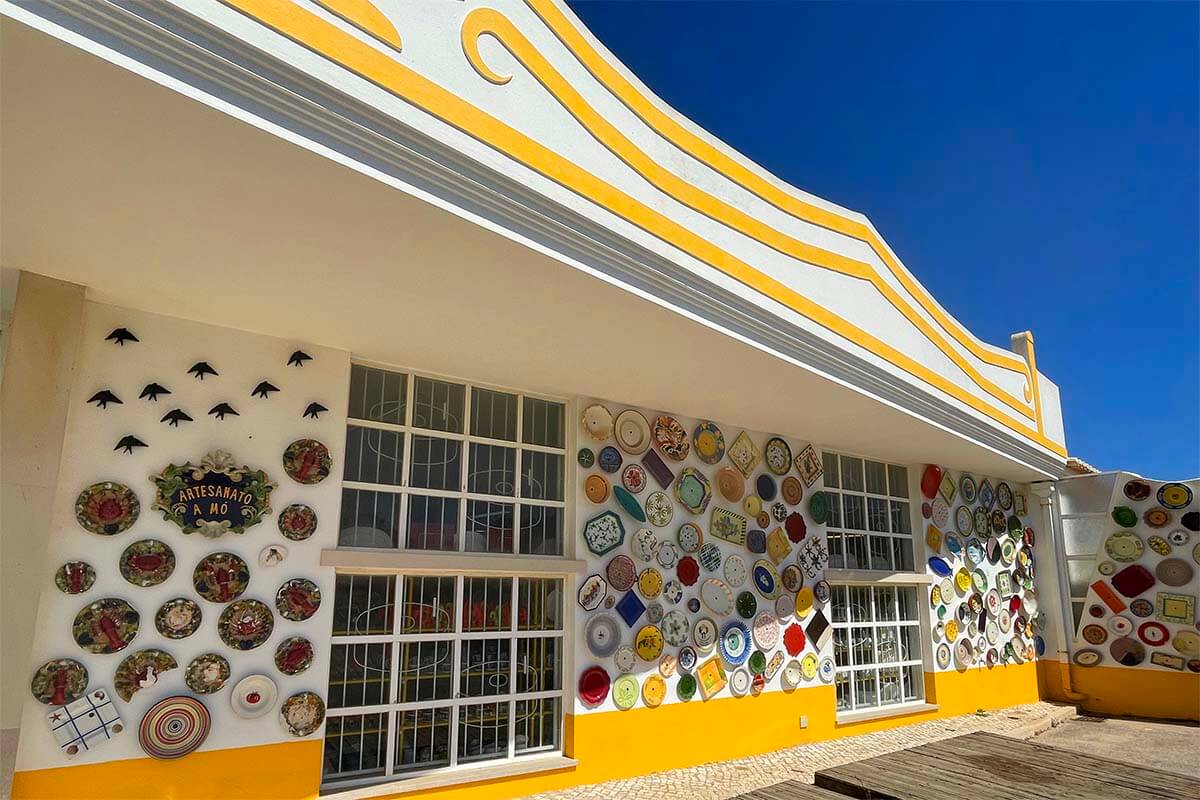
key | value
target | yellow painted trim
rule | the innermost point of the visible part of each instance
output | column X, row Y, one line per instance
column 487, row 21
column 714, row 158
column 1031, row 357
column 330, row 42
column 288, row 771
column 364, row 15
column 1126, row 691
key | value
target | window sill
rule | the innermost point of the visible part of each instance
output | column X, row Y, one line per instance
column 385, row 561
column 852, row 717
column 452, row 777
column 878, row 577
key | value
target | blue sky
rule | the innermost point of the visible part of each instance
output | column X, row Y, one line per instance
column 1035, row 165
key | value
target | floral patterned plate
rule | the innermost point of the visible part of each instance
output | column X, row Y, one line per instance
column 298, row 599
column 777, row 455
column 708, row 442
column 245, row 624
column 671, row 438
column 106, row 626
column 221, row 577
column 107, row 508
column 297, row 522
column 178, row 618
column 207, row 673
column 148, row 562
column 659, row 509
column 307, row 461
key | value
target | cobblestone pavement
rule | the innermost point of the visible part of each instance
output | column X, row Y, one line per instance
column 726, row 779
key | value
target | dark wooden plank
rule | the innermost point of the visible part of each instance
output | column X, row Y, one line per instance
column 790, row 790
column 907, row 776
column 1086, row 770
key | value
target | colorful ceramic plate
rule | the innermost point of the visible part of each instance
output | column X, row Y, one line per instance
column 586, row 457
column 297, row 522
column 777, row 455
column 735, row 571
column 653, row 691
column 659, row 509
column 1124, row 546
column 967, row 488
column 704, row 634
column 689, row 537
column 178, row 618
column 1174, row 496
column 631, row 431
column 939, row 566
column 253, row 696
column 625, row 692
column 634, row 477
column 739, row 682
column 671, row 438
column 141, row 670
column 648, row 643
column 59, row 682
column 765, row 630
column 717, row 597
column 650, row 583
column 221, row 577
column 602, row 635
column 1156, row 517
column 596, row 488
column 766, row 579
column 644, row 544
column 107, row 508
column 685, row 688
column 964, row 520
column 597, row 420
column 75, row 577
column 1174, row 572
column 148, row 562
column 609, row 459
column 735, row 643
column 692, row 490
column 746, row 605
column 708, row 442
column 302, row 713
column 307, row 461
column 106, row 626
column 174, row 727
column 294, row 655
column 791, row 675
column 730, row 484
column 594, row 684
column 1004, row 497
column 206, row 673
column 1124, row 516
column 245, row 624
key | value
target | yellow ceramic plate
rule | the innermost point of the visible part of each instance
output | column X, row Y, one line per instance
column 962, row 580
column 952, row 630
column 933, row 538
column 653, row 691
column 935, row 596
column 649, row 643
column 650, row 583
column 808, row 667
column 804, row 602
column 753, row 505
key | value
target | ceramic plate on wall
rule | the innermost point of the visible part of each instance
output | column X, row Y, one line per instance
column 253, row 696
column 597, row 421
column 708, row 442
column 632, row 432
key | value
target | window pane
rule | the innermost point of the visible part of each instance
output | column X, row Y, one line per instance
column 432, row 523
column 901, row 521
column 539, row 665
column 537, row 726
column 487, row 604
column 493, row 414
column 844, row 700
column 910, row 643
column 425, row 671
column 906, row 597
column 362, row 605
column 914, row 682
column 864, row 688
column 436, row 463
column 355, row 746
column 887, row 642
column 485, row 667
column 543, row 423
column 541, row 475
column 539, row 604
column 1079, row 575
column 862, row 646
column 830, row 463
column 541, row 530
column 890, row 691
column 852, row 474
column 881, row 552
column 897, row 481
column 482, row 732
column 841, row 647
column 374, row 456
column 422, row 739
column 877, row 514
column 856, row 551
column 860, row 603
column 489, row 527
column 369, row 519
column 427, row 605
column 902, row 553
column 885, row 603
column 841, row 608
column 855, row 514
column 837, row 550
column 876, row 478
column 438, row 405
column 359, row 674
column 377, row 394
column 492, row 470
column 835, row 510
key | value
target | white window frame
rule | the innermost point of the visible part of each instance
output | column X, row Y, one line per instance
column 840, row 571
column 404, row 490
column 919, row 623
column 456, row 701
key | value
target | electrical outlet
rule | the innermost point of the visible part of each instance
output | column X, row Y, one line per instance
column 803, row 720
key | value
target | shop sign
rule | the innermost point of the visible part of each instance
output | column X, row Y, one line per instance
column 215, row 497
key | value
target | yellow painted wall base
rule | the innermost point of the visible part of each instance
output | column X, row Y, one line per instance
column 609, row 745
column 1118, row 691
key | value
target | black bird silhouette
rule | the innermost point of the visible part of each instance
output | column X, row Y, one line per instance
column 263, row 389
column 175, row 416
column 152, row 391
column 221, row 409
column 128, row 442
column 298, row 358
column 103, row 397
column 121, row 336
column 314, row 409
column 202, row 368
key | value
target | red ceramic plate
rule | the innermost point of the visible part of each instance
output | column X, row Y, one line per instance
column 793, row 639
column 593, row 686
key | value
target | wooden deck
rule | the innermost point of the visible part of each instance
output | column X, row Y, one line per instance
column 984, row 766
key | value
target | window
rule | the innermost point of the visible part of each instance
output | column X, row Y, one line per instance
column 876, row 646
column 436, row 465
column 429, row 672
column 869, row 523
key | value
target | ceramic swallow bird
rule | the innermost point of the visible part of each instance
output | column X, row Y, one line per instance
column 298, row 358
column 175, row 416
column 152, row 390
column 121, row 336
column 202, row 368
column 314, row 409
column 103, row 397
column 221, row 409
column 263, row 389
column 128, row 442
